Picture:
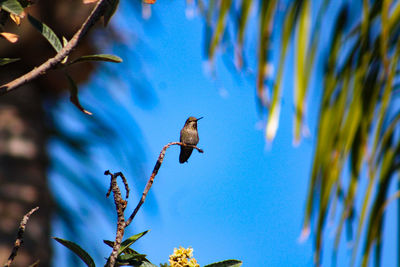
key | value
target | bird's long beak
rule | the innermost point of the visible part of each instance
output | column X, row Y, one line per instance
column 199, row 118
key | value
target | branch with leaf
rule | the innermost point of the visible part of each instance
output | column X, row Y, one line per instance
column 15, row 10
column 122, row 253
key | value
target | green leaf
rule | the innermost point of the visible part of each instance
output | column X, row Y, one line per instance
column 138, row 260
column 394, row 17
column 11, row 6
column 328, row 129
column 73, row 88
column 99, row 57
column 126, row 251
column 220, row 28
column 128, row 242
column 244, row 12
column 46, row 32
column 275, row 107
column 208, row 15
column 300, row 84
column 266, row 18
column 378, row 205
column 5, row 61
column 109, row 243
column 85, row 257
column 112, row 7
column 385, row 34
column 338, row 110
column 226, row 263
column 129, row 257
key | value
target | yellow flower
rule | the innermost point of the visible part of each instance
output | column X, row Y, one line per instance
column 193, row 263
column 183, row 258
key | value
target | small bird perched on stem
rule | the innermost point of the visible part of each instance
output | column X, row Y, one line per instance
column 189, row 136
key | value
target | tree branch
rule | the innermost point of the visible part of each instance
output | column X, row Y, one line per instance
column 153, row 175
column 19, row 240
column 120, row 205
column 94, row 16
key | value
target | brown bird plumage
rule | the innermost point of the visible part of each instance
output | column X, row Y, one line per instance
column 190, row 136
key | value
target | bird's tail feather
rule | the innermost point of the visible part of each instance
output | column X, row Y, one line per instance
column 185, row 154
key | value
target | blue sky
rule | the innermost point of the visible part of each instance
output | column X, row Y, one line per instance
column 241, row 199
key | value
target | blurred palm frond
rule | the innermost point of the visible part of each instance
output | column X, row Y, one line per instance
column 358, row 140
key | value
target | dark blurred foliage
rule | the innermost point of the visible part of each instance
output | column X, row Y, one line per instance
column 24, row 132
column 39, row 117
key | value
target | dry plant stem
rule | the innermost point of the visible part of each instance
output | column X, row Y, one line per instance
column 19, row 240
column 123, row 180
column 153, row 174
column 120, row 205
column 94, row 16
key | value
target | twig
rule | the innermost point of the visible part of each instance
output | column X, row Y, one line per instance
column 153, row 174
column 120, row 205
column 123, row 180
column 94, row 16
column 19, row 240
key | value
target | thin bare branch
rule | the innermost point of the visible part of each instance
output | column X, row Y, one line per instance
column 94, row 16
column 120, row 205
column 153, row 175
column 120, row 174
column 19, row 240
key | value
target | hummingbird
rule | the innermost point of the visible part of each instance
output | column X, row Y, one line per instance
column 190, row 136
